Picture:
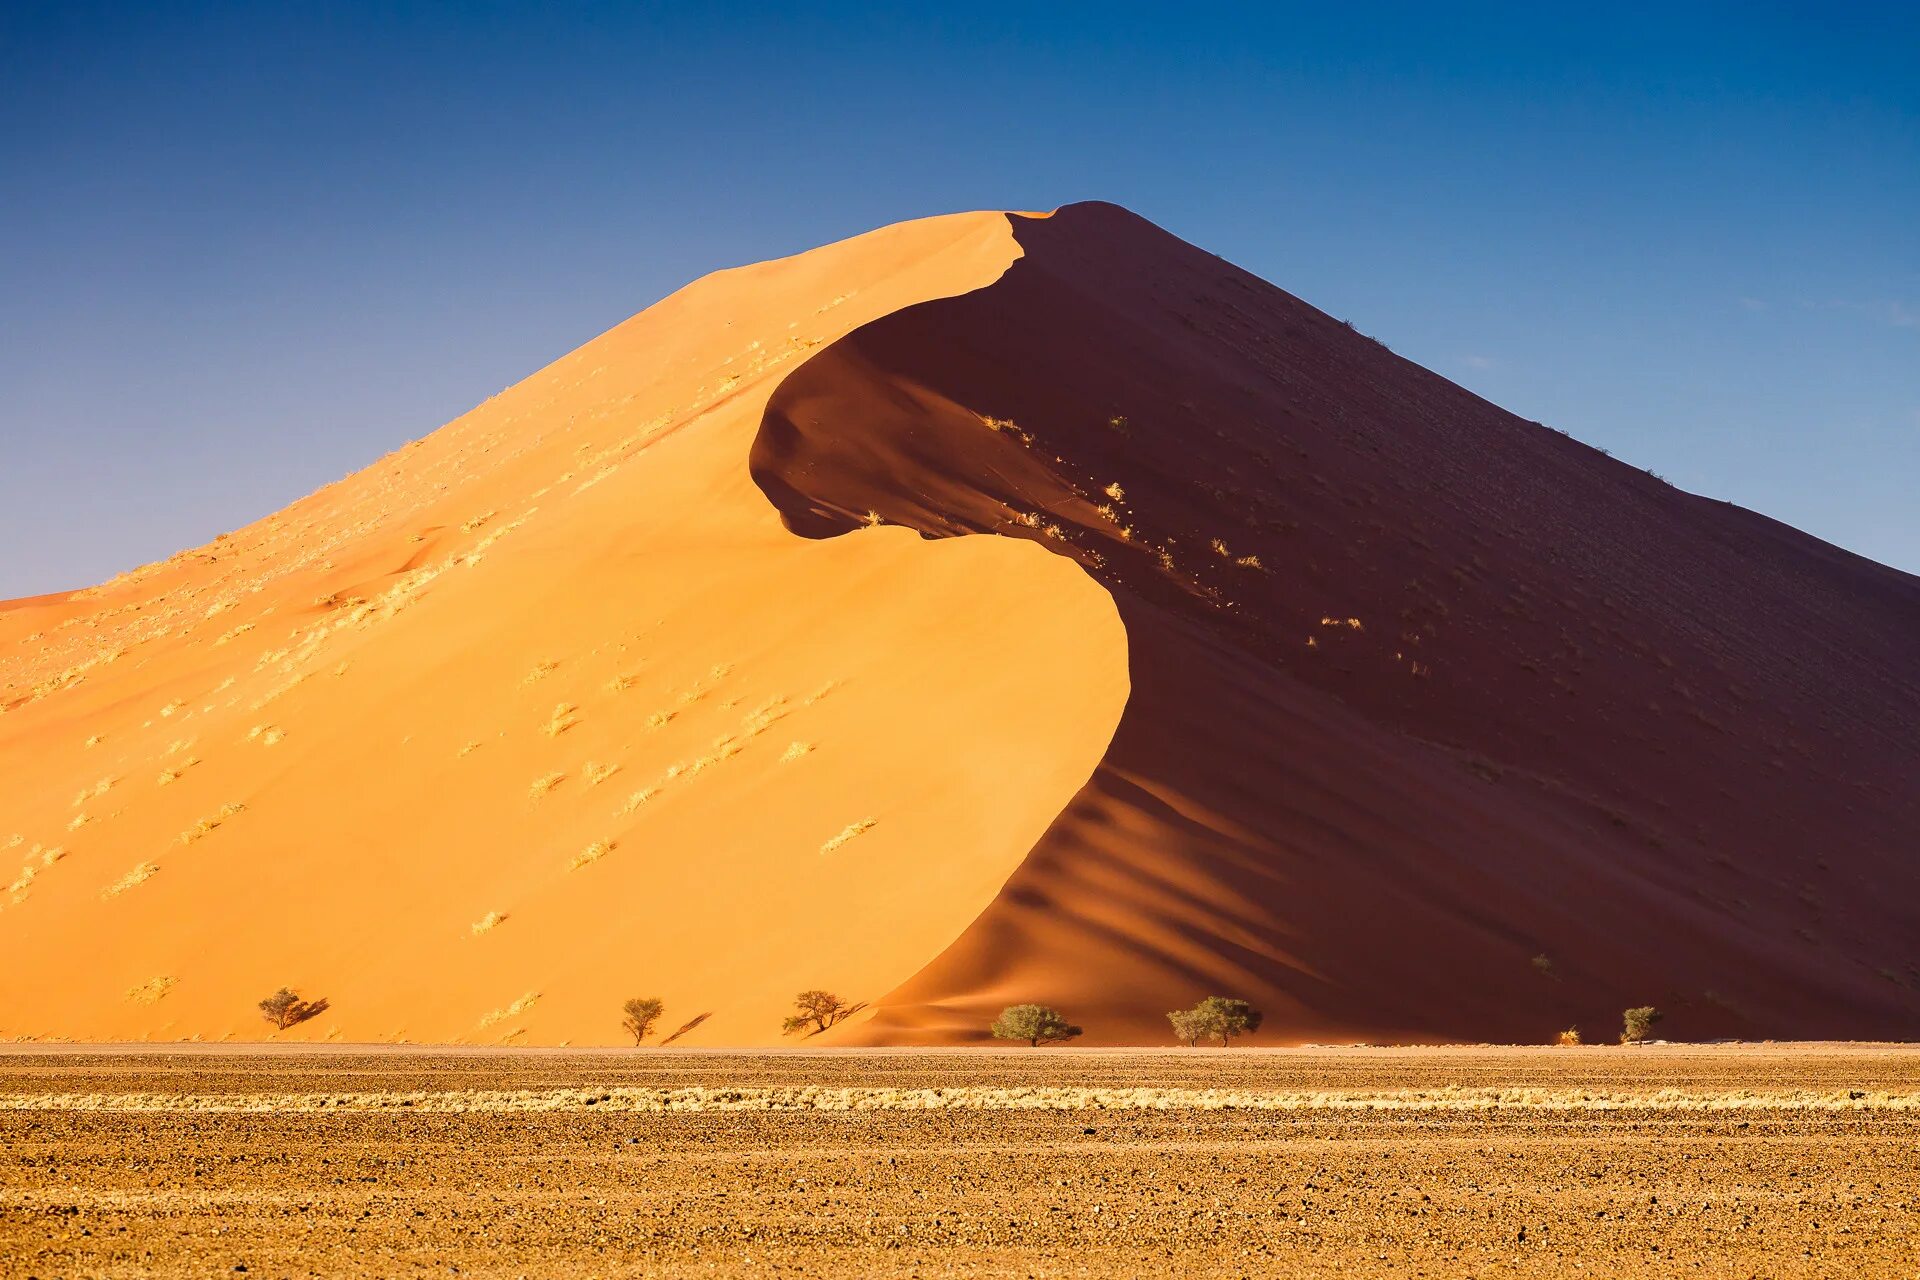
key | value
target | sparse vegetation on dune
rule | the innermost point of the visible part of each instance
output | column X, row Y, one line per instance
column 851, row 830
column 591, row 854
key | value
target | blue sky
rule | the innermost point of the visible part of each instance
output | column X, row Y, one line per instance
column 248, row 249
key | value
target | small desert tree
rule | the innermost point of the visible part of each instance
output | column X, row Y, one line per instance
column 284, row 1008
column 1190, row 1027
column 818, row 1011
column 640, row 1015
column 1227, row 1017
column 1639, row 1023
column 1034, row 1023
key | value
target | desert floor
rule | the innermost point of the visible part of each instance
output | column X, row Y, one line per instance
column 1769, row 1160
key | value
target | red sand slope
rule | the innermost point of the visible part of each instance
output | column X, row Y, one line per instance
column 548, row 709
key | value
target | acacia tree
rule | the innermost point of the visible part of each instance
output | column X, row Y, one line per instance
column 818, row 1011
column 1189, row 1026
column 284, row 1008
column 640, row 1015
column 1639, row 1023
column 1227, row 1017
column 1034, row 1023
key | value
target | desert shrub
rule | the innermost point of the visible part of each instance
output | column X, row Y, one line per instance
column 1034, row 1023
column 1639, row 1023
column 639, row 1014
column 818, row 1011
column 284, row 1008
column 1571, row 1036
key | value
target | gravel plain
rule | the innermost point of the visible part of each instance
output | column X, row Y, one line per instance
column 1752, row 1160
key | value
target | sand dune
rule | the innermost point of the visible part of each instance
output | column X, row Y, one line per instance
column 1276, row 665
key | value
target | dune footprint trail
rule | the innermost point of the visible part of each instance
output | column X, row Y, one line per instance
column 1274, row 665
column 546, row 711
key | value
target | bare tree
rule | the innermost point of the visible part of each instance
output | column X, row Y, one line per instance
column 818, row 1011
column 284, row 1008
column 1035, row 1023
column 640, row 1015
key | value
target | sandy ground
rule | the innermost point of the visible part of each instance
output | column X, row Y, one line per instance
column 1749, row 1160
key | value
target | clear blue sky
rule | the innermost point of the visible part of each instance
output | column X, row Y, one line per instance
column 245, row 250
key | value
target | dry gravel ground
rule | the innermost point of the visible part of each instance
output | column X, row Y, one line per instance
column 1760, row 1160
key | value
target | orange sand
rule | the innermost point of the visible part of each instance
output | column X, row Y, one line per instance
column 1285, row 669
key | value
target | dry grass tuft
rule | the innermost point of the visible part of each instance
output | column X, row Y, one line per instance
column 847, row 833
column 562, row 719
column 489, row 922
column 94, row 792
column 171, row 773
column 513, row 1010
column 592, row 853
column 541, row 670
column 139, row 875
column 795, row 750
column 542, row 785
column 637, row 799
column 211, row 823
column 150, row 991
column 598, row 773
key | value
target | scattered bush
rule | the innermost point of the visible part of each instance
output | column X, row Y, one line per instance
column 640, row 1014
column 284, row 1008
column 1639, row 1023
column 1571, row 1036
column 1034, row 1023
column 818, row 1011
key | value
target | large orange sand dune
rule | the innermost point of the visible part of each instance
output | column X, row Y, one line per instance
column 1276, row 665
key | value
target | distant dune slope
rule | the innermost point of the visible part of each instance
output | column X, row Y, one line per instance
column 1443, row 725
column 1290, row 671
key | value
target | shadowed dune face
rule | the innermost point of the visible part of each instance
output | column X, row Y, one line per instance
column 1442, row 724
column 547, row 711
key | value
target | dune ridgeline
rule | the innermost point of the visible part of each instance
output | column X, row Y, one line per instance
column 988, row 609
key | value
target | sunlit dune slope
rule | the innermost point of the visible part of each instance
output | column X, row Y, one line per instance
column 1443, row 725
column 545, row 711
